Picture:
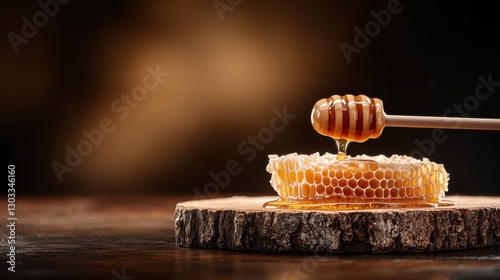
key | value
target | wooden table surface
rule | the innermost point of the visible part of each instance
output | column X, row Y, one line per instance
column 133, row 238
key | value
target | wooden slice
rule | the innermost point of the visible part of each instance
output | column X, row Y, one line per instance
column 241, row 223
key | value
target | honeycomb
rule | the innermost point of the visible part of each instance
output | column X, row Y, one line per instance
column 362, row 178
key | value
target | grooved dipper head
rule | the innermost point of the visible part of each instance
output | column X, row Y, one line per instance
column 352, row 117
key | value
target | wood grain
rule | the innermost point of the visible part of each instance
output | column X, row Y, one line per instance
column 241, row 223
column 90, row 237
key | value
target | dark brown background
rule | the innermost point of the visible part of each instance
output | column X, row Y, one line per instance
column 226, row 77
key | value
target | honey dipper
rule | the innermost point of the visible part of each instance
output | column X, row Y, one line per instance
column 357, row 118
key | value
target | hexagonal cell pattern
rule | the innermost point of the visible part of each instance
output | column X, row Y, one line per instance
column 362, row 177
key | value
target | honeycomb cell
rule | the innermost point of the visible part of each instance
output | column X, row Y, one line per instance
column 300, row 176
column 329, row 190
column 363, row 183
column 320, row 189
column 342, row 183
column 352, row 183
column 424, row 170
column 334, row 182
column 418, row 191
column 359, row 192
column 318, row 178
column 368, row 175
column 390, row 184
column 414, row 181
column 409, row 192
column 326, row 180
column 394, row 193
column 361, row 178
column 370, row 193
column 310, row 176
column 383, row 183
column 398, row 183
column 374, row 183
column 347, row 191
column 402, row 192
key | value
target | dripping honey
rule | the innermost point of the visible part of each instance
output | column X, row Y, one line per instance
column 341, row 148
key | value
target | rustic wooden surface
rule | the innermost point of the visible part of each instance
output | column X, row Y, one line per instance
column 241, row 223
column 89, row 238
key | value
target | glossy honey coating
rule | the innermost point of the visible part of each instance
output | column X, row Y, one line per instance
column 353, row 118
column 324, row 178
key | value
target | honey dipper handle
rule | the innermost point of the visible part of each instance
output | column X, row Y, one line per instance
column 442, row 122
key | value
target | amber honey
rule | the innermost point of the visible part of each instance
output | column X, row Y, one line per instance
column 349, row 204
column 323, row 182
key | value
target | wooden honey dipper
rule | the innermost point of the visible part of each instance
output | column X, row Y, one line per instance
column 358, row 118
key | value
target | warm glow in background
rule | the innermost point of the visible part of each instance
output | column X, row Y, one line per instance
column 225, row 79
